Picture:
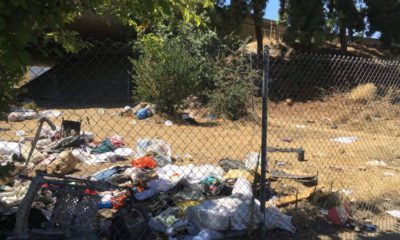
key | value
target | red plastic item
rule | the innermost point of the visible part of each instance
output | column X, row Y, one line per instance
column 144, row 162
column 90, row 191
column 116, row 141
column 117, row 202
column 338, row 215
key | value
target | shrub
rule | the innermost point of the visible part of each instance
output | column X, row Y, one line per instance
column 166, row 74
column 234, row 86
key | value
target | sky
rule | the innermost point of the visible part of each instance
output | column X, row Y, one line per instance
column 271, row 11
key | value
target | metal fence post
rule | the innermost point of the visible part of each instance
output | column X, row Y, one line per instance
column 264, row 134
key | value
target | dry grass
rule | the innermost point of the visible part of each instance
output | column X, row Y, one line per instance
column 363, row 93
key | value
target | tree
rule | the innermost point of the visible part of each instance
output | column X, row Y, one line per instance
column 258, row 7
column 384, row 17
column 344, row 17
column 305, row 21
column 229, row 18
column 25, row 24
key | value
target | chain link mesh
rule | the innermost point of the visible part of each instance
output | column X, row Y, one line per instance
column 332, row 130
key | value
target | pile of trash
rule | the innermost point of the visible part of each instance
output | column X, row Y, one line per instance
column 202, row 201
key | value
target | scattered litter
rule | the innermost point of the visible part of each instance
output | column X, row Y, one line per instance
column 144, row 162
column 214, row 214
column 227, row 164
column 280, row 164
column 124, row 152
column 144, row 113
column 22, row 115
column 251, row 160
column 310, row 121
column 324, row 212
column 369, row 227
column 50, row 113
column 127, row 109
column 287, row 139
column 394, row 213
column 20, row 133
column 168, row 123
column 273, row 218
column 377, row 163
column 157, row 146
column 64, row 163
column 140, row 196
column 133, row 122
column 338, row 215
column 101, row 111
column 300, row 126
column 345, row 139
column 210, row 117
column 388, row 174
column 330, row 123
column 346, row 192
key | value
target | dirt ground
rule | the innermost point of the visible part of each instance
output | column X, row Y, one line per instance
column 309, row 125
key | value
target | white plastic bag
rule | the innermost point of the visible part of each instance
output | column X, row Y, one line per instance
column 7, row 148
column 229, row 213
column 251, row 160
column 158, row 146
column 275, row 219
column 124, row 152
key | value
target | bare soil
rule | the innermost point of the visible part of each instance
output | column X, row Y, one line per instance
column 309, row 125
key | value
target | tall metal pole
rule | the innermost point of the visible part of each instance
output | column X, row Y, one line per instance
column 264, row 134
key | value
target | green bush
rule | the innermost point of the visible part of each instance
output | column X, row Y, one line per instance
column 234, row 86
column 166, row 74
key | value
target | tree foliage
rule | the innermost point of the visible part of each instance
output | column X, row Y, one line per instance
column 305, row 21
column 228, row 19
column 384, row 17
column 344, row 18
column 25, row 24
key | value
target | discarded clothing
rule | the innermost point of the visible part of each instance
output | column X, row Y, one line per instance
column 105, row 146
column 164, row 220
column 124, row 152
column 184, row 205
column 144, row 162
column 162, row 185
column 108, row 172
column 191, row 173
column 188, row 194
column 146, row 194
column 117, row 141
column 212, row 186
column 92, row 159
column 229, row 213
column 228, row 164
column 68, row 142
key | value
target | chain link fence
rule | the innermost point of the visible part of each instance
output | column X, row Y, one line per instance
column 100, row 165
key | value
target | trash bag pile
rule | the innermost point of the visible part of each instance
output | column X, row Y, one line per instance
column 199, row 202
